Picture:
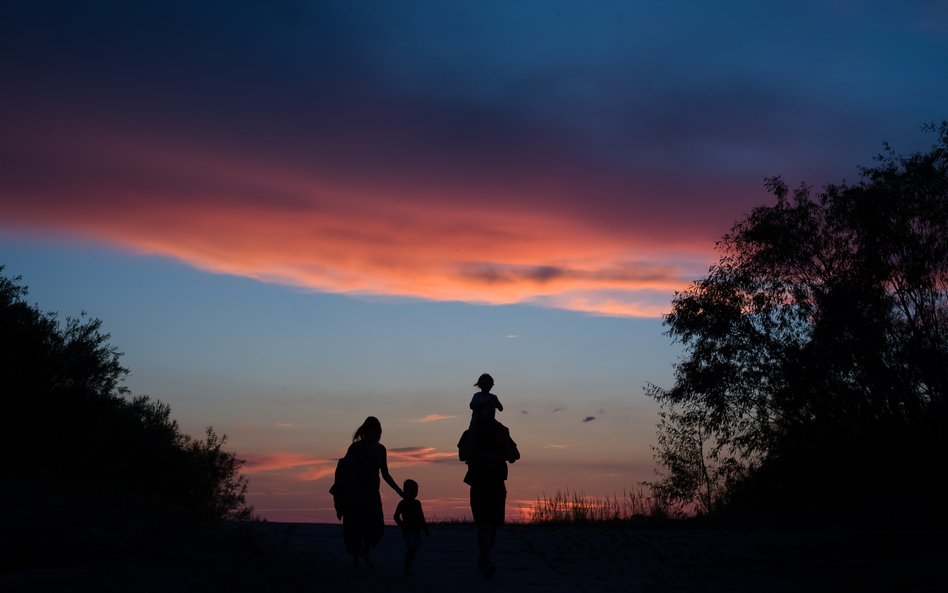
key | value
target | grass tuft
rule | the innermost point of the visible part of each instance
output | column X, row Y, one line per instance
column 572, row 507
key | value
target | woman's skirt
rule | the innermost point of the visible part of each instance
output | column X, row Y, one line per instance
column 363, row 523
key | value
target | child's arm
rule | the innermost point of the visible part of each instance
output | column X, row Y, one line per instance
column 498, row 405
column 399, row 512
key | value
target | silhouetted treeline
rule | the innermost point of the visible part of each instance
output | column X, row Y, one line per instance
column 817, row 369
column 69, row 423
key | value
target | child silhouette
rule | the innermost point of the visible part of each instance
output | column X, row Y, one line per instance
column 484, row 403
column 411, row 518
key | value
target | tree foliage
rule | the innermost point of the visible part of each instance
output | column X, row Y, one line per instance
column 68, row 418
column 817, row 352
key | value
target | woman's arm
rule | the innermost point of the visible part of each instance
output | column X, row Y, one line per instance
column 383, row 467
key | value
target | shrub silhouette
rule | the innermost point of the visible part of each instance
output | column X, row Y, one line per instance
column 817, row 349
column 68, row 419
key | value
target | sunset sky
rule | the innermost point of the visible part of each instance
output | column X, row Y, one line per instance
column 293, row 214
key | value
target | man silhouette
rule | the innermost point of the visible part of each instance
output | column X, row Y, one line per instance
column 487, row 448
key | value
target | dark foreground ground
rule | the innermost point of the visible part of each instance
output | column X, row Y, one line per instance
column 300, row 557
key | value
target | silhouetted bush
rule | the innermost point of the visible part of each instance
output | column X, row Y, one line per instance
column 67, row 419
column 816, row 377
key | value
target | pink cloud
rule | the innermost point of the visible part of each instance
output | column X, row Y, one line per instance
column 433, row 418
column 311, row 468
column 507, row 240
column 408, row 456
column 317, row 473
column 308, row 468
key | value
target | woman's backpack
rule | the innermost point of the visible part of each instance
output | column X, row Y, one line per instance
column 345, row 486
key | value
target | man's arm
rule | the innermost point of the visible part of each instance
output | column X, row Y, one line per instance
column 512, row 453
column 464, row 447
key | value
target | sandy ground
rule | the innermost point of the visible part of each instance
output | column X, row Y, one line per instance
column 266, row 557
column 608, row 558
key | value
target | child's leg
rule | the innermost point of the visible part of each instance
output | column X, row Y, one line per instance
column 409, row 559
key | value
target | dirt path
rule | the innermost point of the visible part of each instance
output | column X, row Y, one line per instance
column 607, row 559
column 305, row 557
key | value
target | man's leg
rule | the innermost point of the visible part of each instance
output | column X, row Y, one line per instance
column 486, row 536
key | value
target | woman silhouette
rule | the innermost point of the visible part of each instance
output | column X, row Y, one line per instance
column 363, row 522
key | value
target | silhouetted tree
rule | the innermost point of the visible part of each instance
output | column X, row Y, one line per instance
column 817, row 345
column 67, row 418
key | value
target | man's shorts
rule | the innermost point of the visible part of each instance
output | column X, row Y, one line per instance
column 487, row 503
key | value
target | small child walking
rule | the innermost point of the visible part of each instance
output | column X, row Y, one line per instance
column 484, row 403
column 411, row 518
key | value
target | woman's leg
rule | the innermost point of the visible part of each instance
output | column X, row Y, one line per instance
column 351, row 535
column 373, row 526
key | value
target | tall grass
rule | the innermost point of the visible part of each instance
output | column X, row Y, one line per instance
column 567, row 506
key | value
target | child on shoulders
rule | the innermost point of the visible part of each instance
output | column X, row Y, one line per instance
column 484, row 404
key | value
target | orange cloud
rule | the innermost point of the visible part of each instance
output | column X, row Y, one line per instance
column 317, row 473
column 433, row 418
column 315, row 228
column 408, row 456
column 312, row 468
